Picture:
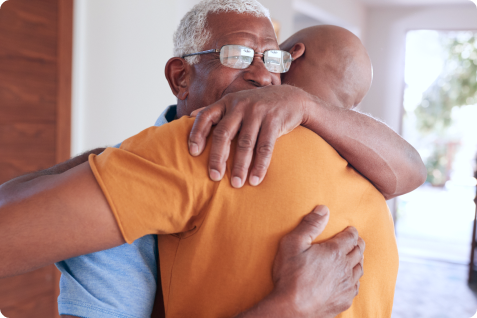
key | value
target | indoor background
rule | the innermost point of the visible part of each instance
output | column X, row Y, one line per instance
column 119, row 49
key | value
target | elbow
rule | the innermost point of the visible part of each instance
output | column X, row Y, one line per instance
column 422, row 176
column 389, row 189
column 420, row 171
column 416, row 173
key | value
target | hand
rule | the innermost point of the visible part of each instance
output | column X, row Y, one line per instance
column 320, row 280
column 262, row 114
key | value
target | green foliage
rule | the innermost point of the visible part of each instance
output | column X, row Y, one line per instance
column 456, row 85
column 436, row 166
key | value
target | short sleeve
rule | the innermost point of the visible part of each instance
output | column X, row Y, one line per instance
column 151, row 187
column 119, row 282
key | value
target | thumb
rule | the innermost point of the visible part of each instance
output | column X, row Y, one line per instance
column 311, row 226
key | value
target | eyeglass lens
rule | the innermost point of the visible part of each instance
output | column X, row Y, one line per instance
column 240, row 57
column 236, row 56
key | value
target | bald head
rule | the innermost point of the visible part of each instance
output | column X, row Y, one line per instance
column 335, row 65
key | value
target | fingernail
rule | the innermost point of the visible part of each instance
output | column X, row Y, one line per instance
column 194, row 149
column 254, row 180
column 236, row 182
column 321, row 210
column 214, row 175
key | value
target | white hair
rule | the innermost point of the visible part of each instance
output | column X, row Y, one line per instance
column 192, row 33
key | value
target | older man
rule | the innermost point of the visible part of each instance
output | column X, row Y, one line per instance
column 192, row 84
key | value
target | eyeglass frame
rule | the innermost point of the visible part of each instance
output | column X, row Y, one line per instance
column 254, row 53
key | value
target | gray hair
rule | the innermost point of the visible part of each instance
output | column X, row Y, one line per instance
column 192, row 34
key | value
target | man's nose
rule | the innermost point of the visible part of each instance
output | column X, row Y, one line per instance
column 257, row 74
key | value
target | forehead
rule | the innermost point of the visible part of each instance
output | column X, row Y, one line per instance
column 239, row 28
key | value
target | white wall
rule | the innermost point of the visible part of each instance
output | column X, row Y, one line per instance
column 349, row 14
column 120, row 50
column 385, row 41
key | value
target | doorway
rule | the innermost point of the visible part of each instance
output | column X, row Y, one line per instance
column 439, row 121
column 434, row 223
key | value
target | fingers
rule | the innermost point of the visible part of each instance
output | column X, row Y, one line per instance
column 195, row 112
column 358, row 272
column 355, row 256
column 202, row 126
column 347, row 239
column 308, row 230
column 222, row 136
column 266, row 142
column 244, row 153
column 356, row 260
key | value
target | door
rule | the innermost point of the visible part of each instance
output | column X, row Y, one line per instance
column 35, row 107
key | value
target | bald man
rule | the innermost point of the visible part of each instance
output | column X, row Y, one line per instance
column 335, row 65
column 222, row 263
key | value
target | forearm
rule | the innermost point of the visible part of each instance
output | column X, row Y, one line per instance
column 370, row 146
column 16, row 184
column 53, row 217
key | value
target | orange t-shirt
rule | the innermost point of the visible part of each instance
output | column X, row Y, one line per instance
column 217, row 256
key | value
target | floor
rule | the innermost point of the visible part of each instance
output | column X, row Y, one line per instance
column 433, row 289
column 433, row 233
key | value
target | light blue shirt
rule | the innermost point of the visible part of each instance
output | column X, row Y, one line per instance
column 119, row 282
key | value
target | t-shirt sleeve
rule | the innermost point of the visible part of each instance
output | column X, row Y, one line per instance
column 151, row 183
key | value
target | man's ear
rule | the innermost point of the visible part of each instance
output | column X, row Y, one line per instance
column 177, row 73
column 297, row 50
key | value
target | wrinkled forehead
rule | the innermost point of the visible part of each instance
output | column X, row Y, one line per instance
column 241, row 28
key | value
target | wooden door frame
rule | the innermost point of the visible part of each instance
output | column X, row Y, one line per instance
column 63, row 102
column 65, row 62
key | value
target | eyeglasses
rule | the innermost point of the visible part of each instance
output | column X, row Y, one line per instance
column 240, row 57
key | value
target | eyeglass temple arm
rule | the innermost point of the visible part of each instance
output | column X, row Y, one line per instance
column 200, row 53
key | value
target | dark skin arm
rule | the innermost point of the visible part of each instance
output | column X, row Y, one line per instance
column 66, row 211
column 259, row 116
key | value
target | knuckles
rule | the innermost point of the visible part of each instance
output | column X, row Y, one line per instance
column 204, row 115
column 335, row 250
column 195, row 135
column 265, row 149
column 221, row 134
column 245, row 142
column 362, row 245
column 351, row 235
column 215, row 160
column 312, row 220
